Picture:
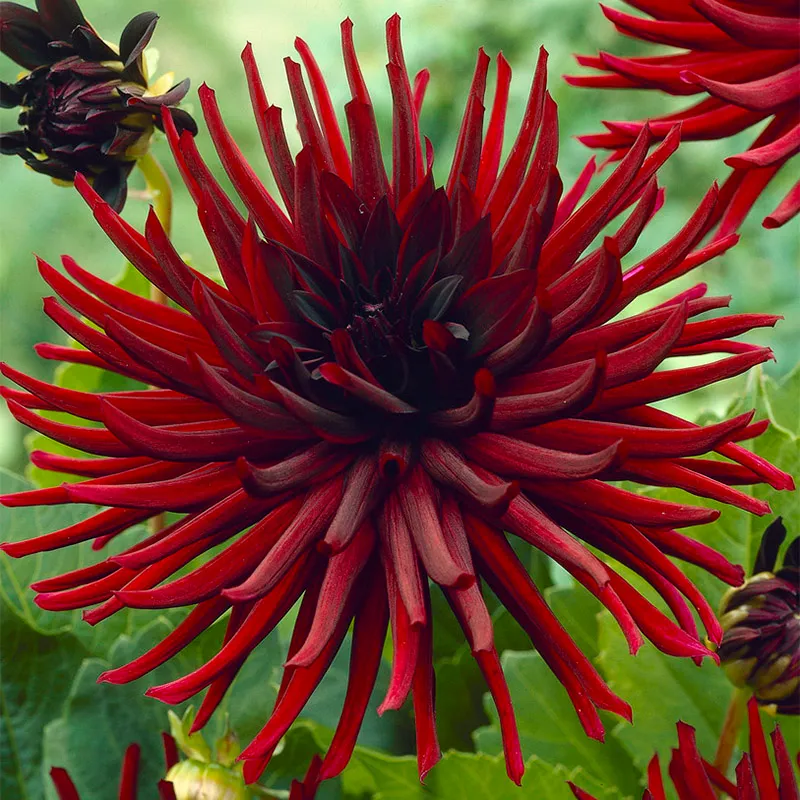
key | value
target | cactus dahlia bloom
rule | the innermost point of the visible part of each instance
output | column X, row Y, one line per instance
column 86, row 106
column 390, row 376
column 744, row 56
column 695, row 779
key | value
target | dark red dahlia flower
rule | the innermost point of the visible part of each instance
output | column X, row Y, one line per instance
column 744, row 55
column 390, row 375
column 761, row 619
column 694, row 778
column 86, row 106
column 129, row 778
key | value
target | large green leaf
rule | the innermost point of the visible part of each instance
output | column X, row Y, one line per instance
column 38, row 670
column 457, row 776
column 392, row 732
column 101, row 720
column 780, row 403
column 781, row 400
column 662, row 690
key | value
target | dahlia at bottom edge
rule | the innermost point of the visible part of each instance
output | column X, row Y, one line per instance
column 694, row 778
column 391, row 379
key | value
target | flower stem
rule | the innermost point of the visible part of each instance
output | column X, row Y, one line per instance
column 160, row 190
column 730, row 730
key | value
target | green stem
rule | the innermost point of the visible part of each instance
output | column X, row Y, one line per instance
column 730, row 729
column 159, row 188
column 160, row 191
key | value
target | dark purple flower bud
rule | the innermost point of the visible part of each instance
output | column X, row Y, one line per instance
column 761, row 618
column 85, row 106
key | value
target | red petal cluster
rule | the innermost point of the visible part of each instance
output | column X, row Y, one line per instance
column 695, row 779
column 390, row 376
column 745, row 56
column 129, row 778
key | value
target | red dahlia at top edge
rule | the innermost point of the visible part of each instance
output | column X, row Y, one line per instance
column 744, row 55
column 695, row 779
column 390, row 376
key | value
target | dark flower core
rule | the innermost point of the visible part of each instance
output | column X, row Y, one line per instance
column 390, row 376
column 85, row 106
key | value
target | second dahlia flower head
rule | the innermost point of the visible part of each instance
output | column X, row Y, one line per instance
column 761, row 619
column 389, row 377
column 86, row 106
column 744, row 55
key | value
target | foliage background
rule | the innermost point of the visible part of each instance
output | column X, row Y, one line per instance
column 203, row 39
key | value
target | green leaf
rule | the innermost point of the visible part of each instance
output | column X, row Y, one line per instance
column 781, row 400
column 37, row 674
column 101, row 720
column 459, row 701
column 393, row 731
column 476, row 776
column 662, row 690
column 700, row 696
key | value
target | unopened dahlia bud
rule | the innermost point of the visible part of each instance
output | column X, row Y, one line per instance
column 194, row 780
column 86, row 106
column 203, row 775
column 761, row 619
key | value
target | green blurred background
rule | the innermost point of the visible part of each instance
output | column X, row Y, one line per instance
column 203, row 39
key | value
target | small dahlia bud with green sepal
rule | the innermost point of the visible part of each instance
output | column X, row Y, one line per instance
column 761, row 619
column 207, row 774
